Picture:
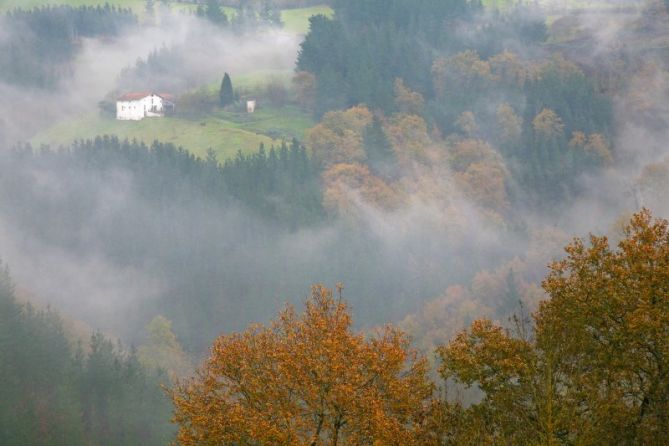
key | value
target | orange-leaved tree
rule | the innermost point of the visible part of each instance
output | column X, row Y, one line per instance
column 306, row 379
column 596, row 368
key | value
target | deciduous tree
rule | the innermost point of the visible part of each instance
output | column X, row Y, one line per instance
column 596, row 370
column 306, row 379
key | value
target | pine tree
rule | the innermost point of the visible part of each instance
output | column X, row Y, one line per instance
column 226, row 93
column 215, row 14
column 380, row 155
column 269, row 15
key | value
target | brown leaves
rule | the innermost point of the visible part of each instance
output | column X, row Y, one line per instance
column 409, row 137
column 463, row 72
column 339, row 136
column 594, row 145
column 409, row 102
column 610, row 311
column 348, row 186
column 306, row 379
column 596, row 372
column 548, row 124
column 480, row 174
column 509, row 123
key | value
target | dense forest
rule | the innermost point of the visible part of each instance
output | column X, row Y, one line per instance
column 43, row 41
column 55, row 393
column 435, row 167
column 535, row 104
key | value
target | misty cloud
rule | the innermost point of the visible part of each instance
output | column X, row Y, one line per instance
column 208, row 51
column 95, row 247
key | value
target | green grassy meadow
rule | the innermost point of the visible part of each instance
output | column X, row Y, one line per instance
column 297, row 20
column 224, row 132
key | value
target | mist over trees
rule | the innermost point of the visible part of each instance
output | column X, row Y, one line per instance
column 44, row 41
column 434, row 156
column 54, row 393
column 362, row 54
column 587, row 368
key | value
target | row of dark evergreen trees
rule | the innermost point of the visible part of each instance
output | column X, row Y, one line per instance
column 282, row 184
column 220, row 237
column 53, row 392
column 40, row 43
column 246, row 15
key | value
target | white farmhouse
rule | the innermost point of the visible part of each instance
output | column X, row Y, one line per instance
column 137, row 106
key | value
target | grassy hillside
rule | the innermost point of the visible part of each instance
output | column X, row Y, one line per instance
column 224, row 132
column 295, row 20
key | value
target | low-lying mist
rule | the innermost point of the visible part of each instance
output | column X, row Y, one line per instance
column 90, row 240
column 203, row 52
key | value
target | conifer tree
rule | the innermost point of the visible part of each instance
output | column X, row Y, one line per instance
column 226, row 94
column 380, row 155
column 215, row 14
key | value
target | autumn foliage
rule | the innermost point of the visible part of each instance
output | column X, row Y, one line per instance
column 590, row 367
column 596, row 368
column 306, row 379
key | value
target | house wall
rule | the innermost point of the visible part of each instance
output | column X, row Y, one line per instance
column 129, row 110
column 150, row 106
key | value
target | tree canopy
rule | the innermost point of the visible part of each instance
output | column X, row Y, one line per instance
column 306, row 379
column 593, row 366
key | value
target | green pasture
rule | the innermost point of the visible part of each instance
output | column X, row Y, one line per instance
column 224, row 132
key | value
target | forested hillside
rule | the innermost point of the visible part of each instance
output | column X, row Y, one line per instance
column 54, row 392
column 425, row 161
column 43, row 42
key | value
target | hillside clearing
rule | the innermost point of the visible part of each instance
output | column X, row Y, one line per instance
column 224, row 132
column 295, row 20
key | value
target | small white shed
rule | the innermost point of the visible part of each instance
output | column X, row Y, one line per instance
column 250, row 105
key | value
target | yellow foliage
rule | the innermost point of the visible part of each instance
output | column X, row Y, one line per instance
column 306, row 379
column 578, row 140
column 509, row 123
column 463, row 72
column 508, row 68
column 599, row 148
column 347, row 183
column 548, row 124
column 408, row 101
column 409, row 137
column 339, row 136
column 466, row 122
column 593, row 369
column 595, row 145
column 162, row 350
column 480, row 173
